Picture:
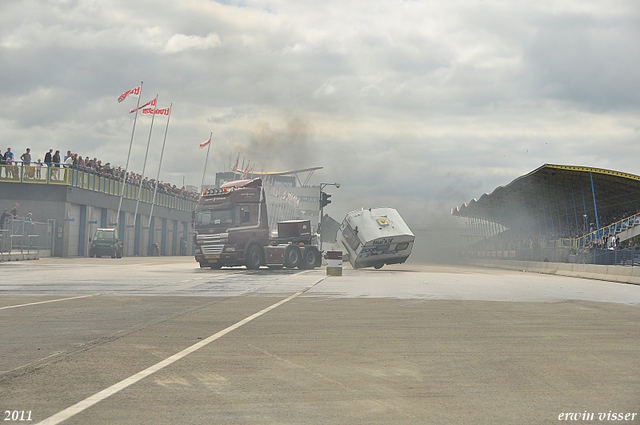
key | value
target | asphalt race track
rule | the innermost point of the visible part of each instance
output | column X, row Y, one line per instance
column 157, row 340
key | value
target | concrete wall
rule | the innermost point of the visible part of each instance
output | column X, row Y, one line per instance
column 79, row 212
column 619, row 274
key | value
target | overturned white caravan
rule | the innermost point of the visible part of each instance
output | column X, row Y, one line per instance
column 374, row 237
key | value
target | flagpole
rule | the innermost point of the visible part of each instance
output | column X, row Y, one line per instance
column 155, row 189
column 205, row 163
column 144, row 165
column 126, row 167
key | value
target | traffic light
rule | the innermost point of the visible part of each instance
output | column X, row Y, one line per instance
column 324, row 199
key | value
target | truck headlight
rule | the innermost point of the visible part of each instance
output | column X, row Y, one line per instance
column 230, row 249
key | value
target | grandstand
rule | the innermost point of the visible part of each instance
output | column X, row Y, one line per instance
column 557, row 213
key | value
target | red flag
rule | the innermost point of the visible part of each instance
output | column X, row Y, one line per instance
column 203, row 144
column 151, row 103
column 135, row 92
column 244, row 174
column 235, row 167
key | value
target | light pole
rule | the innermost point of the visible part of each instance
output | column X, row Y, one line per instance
column 324, row 201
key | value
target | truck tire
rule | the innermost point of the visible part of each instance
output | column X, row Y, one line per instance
column 292, row 256
column 309, row 258
column 254, row 257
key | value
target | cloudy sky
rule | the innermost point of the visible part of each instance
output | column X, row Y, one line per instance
column 417, row 105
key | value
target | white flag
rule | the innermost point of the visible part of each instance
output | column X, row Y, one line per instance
column 135, row 92
column 203, row 144
column 151, row 111
column 151, row 103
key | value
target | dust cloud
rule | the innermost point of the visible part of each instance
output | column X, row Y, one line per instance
column 268, row 148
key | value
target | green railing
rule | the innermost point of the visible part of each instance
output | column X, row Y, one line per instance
column 32, row 174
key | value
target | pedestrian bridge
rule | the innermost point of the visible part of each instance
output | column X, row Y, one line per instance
column 75, row 202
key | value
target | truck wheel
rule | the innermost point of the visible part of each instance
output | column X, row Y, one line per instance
column 254, row 257
column 378, row 266
column 292, row 256
column 309, row 258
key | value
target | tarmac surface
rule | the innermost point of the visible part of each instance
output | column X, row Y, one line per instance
column 161, row 341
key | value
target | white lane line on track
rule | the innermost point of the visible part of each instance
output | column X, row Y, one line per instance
column 45, row 302
column 98, row 397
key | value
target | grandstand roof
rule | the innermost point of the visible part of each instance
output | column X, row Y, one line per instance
column 557, row 197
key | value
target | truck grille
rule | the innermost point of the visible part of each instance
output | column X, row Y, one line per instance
column 218, row 237
column 211, row 249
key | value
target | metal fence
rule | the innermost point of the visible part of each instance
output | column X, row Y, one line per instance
column 22, row 236
column 90, row 180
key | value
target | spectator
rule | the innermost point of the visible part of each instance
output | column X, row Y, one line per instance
column 29, row 219
column 8, row 157
column 3, row 217
column 48, row 158
column 26, row 157
column 14, row 211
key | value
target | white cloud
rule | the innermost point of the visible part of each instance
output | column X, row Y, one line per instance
column 180, row 42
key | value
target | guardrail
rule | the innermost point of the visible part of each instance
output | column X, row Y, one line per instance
column 611, row 257
column 21, row 239
column 58, row 174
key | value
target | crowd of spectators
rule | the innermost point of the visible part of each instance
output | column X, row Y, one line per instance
column 615, row 215
column 95, row 166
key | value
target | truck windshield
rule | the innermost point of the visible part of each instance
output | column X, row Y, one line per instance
column 218, row 215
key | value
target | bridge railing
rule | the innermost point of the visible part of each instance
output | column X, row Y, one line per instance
column 58, row 174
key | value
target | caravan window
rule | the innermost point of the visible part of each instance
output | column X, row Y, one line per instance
column 351, row 237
